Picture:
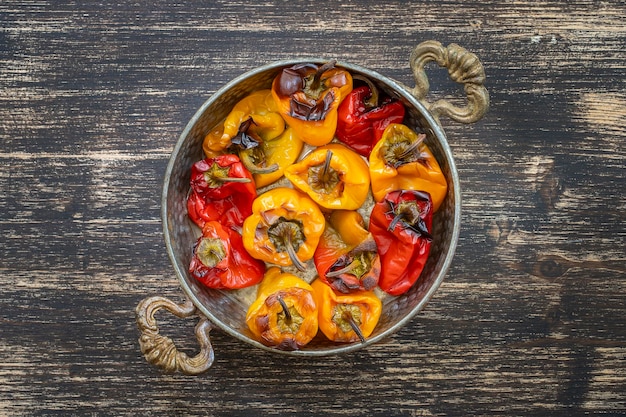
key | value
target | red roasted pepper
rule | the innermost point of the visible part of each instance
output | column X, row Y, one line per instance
column 220, row 261
column 222, row 189
column 401, row 225
column 364, row 115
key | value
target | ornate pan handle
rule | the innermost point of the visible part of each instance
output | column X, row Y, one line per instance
column 160, row 350
column 463, row 67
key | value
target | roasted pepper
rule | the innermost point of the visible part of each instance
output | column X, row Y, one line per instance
column 334, row 176
column 284, row 314
column 255, row 130
column 346, row 257
column 364, row 115
column 220, row 261
column 308, row 96
column 346, row 317
column 260, row 106
column 401, row 161
column 401, row 225
column 284, row 228
column 222, row 189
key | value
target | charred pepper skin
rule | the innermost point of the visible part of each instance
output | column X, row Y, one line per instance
column 222, row 189
column 308, row 96
column 401, row 225
column 256, row 132
column 220, row 261
column 259, row 105
column 402, row 161
column 284, row 315
column 346, row 257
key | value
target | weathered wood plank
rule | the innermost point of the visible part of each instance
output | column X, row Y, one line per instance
column 530, row 319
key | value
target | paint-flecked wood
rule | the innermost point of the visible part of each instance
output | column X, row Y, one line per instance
column 531, row 317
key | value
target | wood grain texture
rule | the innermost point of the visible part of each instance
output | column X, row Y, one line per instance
column 530, row 319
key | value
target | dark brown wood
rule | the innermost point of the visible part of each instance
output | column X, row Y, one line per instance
column 531, row 318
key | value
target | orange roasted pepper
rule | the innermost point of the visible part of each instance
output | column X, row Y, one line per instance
column 284, row 314
column 308, row 96
column 284, row 228
column 346, row 257
column 255, row 130
column 334, row 176
column 346, row 317
column 401, row 161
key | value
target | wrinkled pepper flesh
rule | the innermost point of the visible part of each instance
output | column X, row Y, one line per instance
column 346, row 257
column 364, row 115
column 284, row 314
column 222, row 189
column 334, row 176
column 401, row 225
column 308, row 96
column 284, row 228
column 220, row 261
column 346, row 317
column 402, row 161
column 256, row 132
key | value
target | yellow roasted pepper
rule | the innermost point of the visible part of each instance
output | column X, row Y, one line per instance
column 308, row 96
column 284, row 228
column 334, row 176
column 402, row 161
column 346, row 317
column 284, row 314
column 255, row 130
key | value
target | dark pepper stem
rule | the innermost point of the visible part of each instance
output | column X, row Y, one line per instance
column 294, row 256
column 408, row 151
column 348, row 317
column 247, row 161
column 318, row 74
column 372, row 101
column 344, row 270
column 395, row 221
column 326, row 166
column 285, row 309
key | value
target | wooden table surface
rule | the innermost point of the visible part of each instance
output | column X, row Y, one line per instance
column 530, row 319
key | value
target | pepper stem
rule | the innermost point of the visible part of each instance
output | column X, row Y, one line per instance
column 372, row 101
column 285, row 309
column 411, row 148
column 348, row 317
column 294, row 256
column 318, row 74
column 344, row 270
column 233, row 179
column 326, row 166
column 408, row 212
column 216, row 175
column 395, row 221
column 287, row 236
column 248, row 162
